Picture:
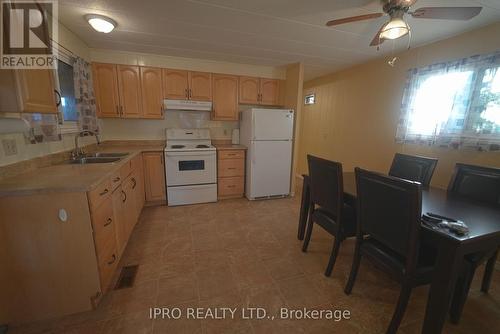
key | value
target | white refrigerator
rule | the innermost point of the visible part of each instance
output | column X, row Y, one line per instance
column 268, row 136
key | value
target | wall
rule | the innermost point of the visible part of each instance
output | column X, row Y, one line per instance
column 357, row 110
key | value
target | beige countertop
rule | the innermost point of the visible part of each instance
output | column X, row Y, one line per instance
column 70, row 178
column 223, row 147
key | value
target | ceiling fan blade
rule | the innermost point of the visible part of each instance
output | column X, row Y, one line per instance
column 354, row 19
column 377, row 40
column 447, row 13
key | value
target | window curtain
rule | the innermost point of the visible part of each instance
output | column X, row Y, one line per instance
column 454, row 104
column 84, row 94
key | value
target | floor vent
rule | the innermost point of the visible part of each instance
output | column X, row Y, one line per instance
column 127, row 277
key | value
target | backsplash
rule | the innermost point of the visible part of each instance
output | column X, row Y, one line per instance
column 143, row 129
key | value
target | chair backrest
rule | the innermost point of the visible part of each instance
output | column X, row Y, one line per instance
column 476, row 183
column 413, row 168
column 389, row 210
column 326, row 184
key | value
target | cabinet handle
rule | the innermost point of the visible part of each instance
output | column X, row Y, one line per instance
column 58, row 98
column 108, row 222
column 186, row 93
column 116, row 179
column 231, row 186
column 231, row 168
column 135, row 183
column 121, row 110
column 124, row 197
column 190, row 93
column 113, row 259
column 104, row 192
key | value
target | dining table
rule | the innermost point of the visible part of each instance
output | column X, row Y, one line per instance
column 482, row 220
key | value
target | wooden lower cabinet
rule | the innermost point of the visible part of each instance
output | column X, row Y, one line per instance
column 154, row 177
column 63, row 251
column 230, row 173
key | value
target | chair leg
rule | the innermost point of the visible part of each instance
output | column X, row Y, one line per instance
column 403, row 299
column 333, row 255
column 488, row 273
column 304, row 210
column 354, row 269
column 310, row 224
column 460, row 295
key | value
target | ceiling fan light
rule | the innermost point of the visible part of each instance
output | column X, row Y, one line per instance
column 101, row 23
column 396, row 28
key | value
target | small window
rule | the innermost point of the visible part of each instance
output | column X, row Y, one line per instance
column 67, row 105
column 310, row 99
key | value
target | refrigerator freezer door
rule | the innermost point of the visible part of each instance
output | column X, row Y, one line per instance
column 270, row 166
column 272, row 124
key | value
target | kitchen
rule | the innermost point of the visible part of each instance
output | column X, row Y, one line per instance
column 165, row 165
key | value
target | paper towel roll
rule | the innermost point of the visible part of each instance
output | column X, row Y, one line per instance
column 13, row 125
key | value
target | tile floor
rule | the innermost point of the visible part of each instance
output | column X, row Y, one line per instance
column 239, row 254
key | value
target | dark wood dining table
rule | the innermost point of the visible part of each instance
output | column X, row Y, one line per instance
column 484, row 234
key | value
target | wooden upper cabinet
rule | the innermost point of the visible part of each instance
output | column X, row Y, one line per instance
column 249, row 90
column 154, row 176
column 129, row 83
column 152, row 94
column 106, row 89
column 36, row 91
column 225, row 97
column 269, row 92
column 175, row 84
column 200, row 86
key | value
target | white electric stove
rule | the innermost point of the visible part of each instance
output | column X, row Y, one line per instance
column 190, row 167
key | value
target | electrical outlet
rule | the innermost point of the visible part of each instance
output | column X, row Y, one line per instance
column 9, row 146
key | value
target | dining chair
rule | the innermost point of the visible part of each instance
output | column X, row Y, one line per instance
column 327, row 207
column 480, row 184
column 388, row 234
column 413, row 168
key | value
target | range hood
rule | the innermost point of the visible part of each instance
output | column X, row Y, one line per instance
column 187, row 105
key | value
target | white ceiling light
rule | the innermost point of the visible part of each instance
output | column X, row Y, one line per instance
column 395, row 28
column 101, row 23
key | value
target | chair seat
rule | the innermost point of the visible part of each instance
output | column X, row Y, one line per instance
column 328, row 221
column 394, row 263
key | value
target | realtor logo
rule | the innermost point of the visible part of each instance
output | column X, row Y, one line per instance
column 28, row 31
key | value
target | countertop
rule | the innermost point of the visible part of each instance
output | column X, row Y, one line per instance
column 70, row 178
column 223, row 147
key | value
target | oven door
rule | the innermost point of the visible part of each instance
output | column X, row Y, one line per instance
column 187, row 168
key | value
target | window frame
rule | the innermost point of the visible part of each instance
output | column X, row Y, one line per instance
column 66, row 127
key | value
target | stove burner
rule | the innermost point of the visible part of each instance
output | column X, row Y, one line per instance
column 202, row 146
column 177, row 146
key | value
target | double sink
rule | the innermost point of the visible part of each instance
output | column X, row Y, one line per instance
column 96, row 158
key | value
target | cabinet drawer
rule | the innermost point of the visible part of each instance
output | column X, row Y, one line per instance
column 231, row 186
column 103, row 223
column 126, row 169
column 108, row 262
column 99, row 195
column 116, row 179
column 231, row 167
column 232, row 154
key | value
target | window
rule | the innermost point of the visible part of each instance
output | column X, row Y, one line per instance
column 67, row 106
column 454, row 104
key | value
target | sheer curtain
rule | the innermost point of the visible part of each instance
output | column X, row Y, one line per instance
column 454, row 104
column 84, row 95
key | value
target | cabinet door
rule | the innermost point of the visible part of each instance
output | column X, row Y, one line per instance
column 119, row 198
column 175, row 84
column 200, row 86
column 269, row 92
column 36, row 91
column 106, row 89
column 249, row 90
column 152, row 95
column 225, row 97
column 154, row 176
column 129, row 83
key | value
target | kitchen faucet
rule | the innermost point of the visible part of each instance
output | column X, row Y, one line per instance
column 77, row 152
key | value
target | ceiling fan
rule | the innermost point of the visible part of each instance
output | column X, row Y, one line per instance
column 397, row 27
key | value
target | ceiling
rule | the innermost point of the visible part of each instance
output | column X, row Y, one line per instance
column 261, row 32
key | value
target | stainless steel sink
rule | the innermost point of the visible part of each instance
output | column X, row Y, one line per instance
column 105, row 155
column 92, row 160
